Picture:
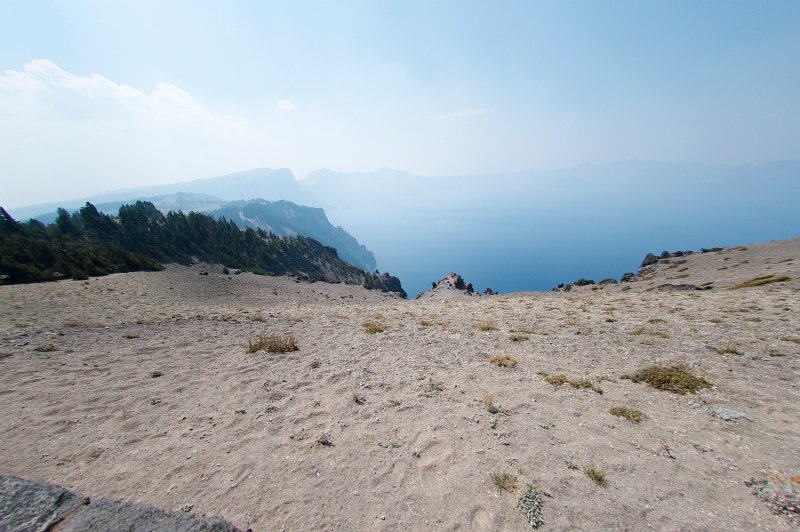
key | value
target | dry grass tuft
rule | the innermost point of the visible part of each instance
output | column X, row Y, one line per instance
column 504, row 361
column 760, row 281
column 488, row 402
column 505, row 482
column 373, row 327
column 597, row 476
column 487, row 326
column 676, row 379
column 642, row 331
column 274, row 343
column 631, row 414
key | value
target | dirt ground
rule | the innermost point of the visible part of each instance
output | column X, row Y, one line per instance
column 139, row 387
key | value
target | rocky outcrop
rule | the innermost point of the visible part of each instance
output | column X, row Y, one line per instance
column 452, row 285
column 27, row 505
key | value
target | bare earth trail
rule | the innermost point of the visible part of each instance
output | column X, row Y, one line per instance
column 138, row 387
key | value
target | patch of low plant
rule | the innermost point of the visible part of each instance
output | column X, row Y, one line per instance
column 782, row 497
column 426, row 323
column 597, row 476
column 519, row 338
column 676, row 379
column 505, row 482
column 47, row 348
column 729, row 351
column 558, row 380
column 760, row 281
column 274, row 343
column 373, row 327
column 488, row 402
column 504, row 361
column 530, row 503
column 631, row 414
column 130, row 336
column 642, row 331
column 487, row 326
column 155, row 374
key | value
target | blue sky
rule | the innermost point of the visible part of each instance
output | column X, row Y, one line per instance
column 98, row 95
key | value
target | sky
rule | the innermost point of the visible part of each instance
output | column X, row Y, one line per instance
column 103, row 95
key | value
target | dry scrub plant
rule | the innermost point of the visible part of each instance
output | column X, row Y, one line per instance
column 759, row 281
column 503, row 361
column 558, row 380
column 373, row 327
column 274, row 343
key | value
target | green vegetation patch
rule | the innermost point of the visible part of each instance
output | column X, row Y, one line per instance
column 631, row 414
column 676, row 379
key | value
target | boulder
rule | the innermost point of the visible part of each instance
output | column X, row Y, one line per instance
column 649, row 260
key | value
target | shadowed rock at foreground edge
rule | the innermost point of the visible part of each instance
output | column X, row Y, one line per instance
column 27, row 505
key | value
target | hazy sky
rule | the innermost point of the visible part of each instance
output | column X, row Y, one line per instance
column 98, row 95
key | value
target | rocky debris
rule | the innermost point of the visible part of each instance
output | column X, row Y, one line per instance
column 27, row 505
column 680, row 287
column 628, row 277
column 608, row 280
column 710, row 250
column 452, row 285
column 725, row 414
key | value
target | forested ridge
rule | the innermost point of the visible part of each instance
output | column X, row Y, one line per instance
column 141, row 237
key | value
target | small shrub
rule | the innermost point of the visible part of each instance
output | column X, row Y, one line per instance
column 632, row 415
column 676, row 379
column 487, row 326
column 274, row 343
column 530, row 503
column 519, row 338
column 426, row 323
column 597, row 476
column 315, row 364
column 359, row 399
column 760, row 281
column 258, row 318
column 433, row 388
column 373, row 327
column 48, row 348
column 488, row 402
column 503, row 361
column 556, row 380
column 130, row 336
column 505, row 482
column 155, row 374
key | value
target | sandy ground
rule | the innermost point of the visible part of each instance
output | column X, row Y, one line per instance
column 237, row 434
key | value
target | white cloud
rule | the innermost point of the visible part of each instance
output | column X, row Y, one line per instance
column 284, row 105
column 64, row 135
column 469, row 111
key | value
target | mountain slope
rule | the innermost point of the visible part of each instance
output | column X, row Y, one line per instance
column 285, row 218
column 90, row 242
